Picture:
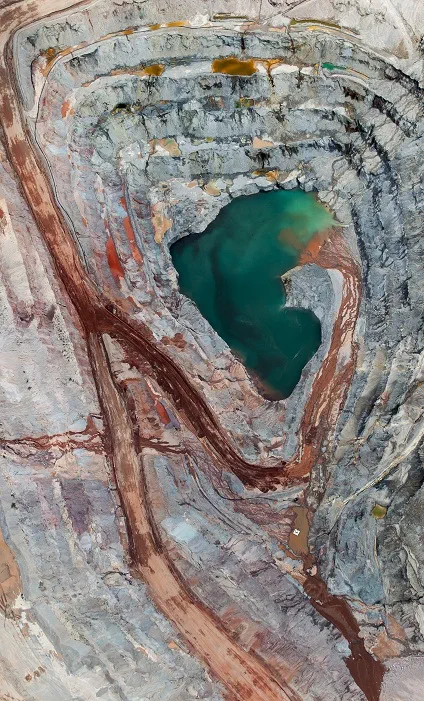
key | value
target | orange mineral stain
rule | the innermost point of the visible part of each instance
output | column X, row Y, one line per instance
column 160, row 222
column 269, row 63
column 113, row 260
column 51, row 54
column 234, row 66
column 162, row 413
column 311, row 252
column 156, row 69
column 131, row 236
column 67, row 109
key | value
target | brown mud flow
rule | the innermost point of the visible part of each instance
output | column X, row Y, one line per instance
column 298, row 539
column 367, row 672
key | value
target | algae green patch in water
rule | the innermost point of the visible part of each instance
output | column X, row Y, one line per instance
column 333, row 67
column 232, row 272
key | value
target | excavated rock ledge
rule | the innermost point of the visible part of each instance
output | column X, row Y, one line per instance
column 146, row 483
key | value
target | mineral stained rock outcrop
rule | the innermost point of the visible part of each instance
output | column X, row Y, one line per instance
column 167, row 532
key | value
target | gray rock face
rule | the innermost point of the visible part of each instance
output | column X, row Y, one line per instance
column 142, row 142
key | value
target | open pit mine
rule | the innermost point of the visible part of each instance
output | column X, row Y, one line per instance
column 211, row 350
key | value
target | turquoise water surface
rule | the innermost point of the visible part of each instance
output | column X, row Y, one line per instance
column 232, row 272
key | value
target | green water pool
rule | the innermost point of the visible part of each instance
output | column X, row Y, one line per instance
column 232, row 271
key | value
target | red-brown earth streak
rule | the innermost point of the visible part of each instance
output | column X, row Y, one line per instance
column 241, row 672
column 89, row 438
column 334, row 376
column 244, row 676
